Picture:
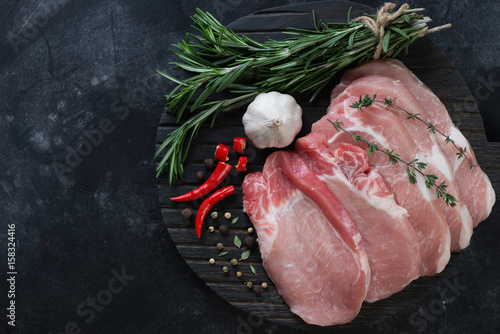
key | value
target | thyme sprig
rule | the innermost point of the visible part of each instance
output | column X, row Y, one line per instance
column 220, row 61
column 412, row 167
column 367, row 101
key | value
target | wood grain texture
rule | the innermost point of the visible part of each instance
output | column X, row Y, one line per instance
column 425, row 59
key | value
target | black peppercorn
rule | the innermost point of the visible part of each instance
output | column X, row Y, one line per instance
column 249, row 242
column 223, row 229
column 209, row 163
column 186, row 213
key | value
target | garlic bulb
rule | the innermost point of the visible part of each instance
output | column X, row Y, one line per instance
column 272, row 120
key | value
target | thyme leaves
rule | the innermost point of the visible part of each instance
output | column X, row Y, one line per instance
column 367, row 101
column 412, row 167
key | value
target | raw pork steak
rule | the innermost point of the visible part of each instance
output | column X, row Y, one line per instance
column 458, row 217
column 389, row 238
column 309, row 245
column 425, row 213
column 479, row 197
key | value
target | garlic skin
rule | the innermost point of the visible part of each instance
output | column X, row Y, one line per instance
column 272, row 120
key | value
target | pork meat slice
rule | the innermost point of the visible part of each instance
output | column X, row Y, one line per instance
column 458, row 217
column 387, row 131
column 389, row 238
column 479, row 196
column 309, row 245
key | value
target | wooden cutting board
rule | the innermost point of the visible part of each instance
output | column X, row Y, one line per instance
column 425, row 59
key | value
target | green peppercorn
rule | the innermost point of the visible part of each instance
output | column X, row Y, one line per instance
column 214, row 215
column 234, row 262
column 225, row 269
column 249, row 285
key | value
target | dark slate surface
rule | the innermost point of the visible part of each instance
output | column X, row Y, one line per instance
column 79, row 110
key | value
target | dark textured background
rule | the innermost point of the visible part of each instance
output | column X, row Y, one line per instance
column 79, row 109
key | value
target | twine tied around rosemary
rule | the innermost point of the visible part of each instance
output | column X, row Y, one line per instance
column 384, row 17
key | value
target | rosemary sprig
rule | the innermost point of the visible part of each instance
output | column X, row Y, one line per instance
column 304, row 62
column 175, row 146
column 367, row 101
column 412, row 167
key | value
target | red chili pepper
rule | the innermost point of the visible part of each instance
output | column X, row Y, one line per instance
column 239, row 144
column 221, row 152
column 242, row 164
column 209, row 203
column 213, row 181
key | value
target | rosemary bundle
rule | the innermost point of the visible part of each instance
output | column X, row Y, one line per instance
column 303, row 63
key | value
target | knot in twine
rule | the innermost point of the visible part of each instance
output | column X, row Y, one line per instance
column 384, row 17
